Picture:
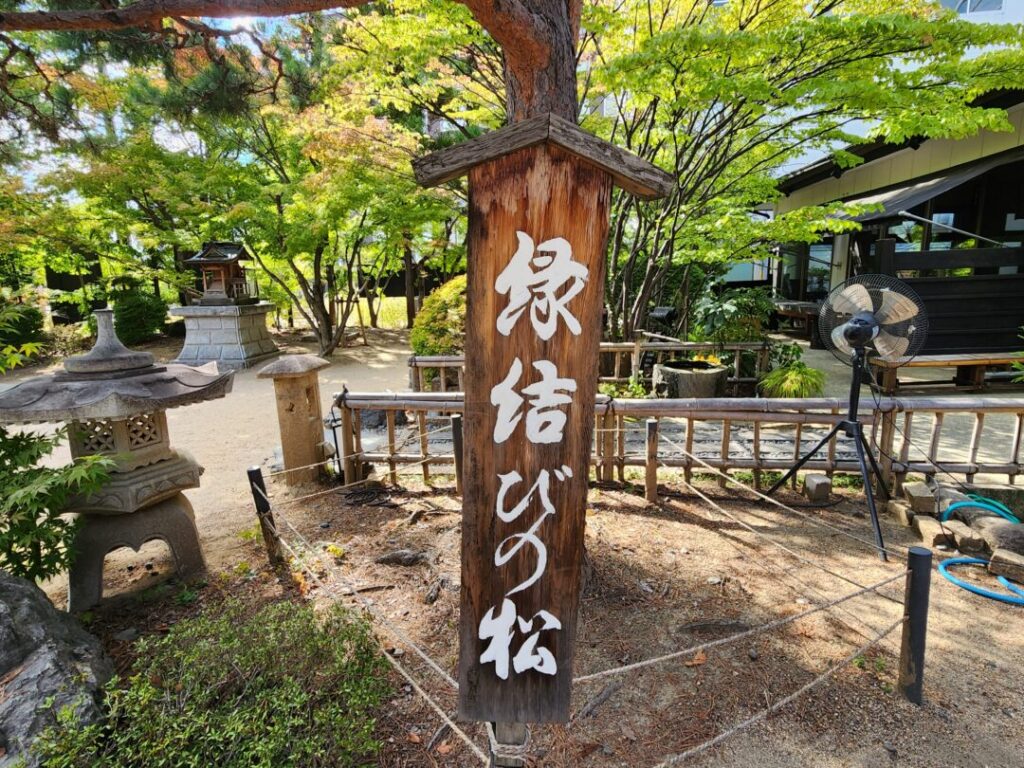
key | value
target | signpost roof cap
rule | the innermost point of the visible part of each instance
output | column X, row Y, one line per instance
column 631, row 173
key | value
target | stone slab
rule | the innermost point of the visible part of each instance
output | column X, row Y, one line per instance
column 1008, row 564
column 931, row 531
column 1000, row 534
column 967, row 540
column 902, row 512
column 817, row 488
column 921, row 499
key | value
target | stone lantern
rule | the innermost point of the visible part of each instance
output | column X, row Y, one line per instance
column 114, row 401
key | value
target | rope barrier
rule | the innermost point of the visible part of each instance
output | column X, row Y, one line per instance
column 367, row 606
column 339, row 488
column 774, row 543
column 394, row 662
column 764, row 713
column 739, row 635
column 718, row 473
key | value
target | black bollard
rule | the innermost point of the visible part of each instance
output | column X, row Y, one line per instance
column 915, row 623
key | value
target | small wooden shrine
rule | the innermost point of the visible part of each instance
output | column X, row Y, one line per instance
column 225, row 278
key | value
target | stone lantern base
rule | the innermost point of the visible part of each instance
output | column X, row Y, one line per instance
column 233, row 336
column 171, row 520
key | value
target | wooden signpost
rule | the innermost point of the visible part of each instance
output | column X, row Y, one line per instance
column 539, row 195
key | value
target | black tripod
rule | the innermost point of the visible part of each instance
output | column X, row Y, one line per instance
column 852, row 428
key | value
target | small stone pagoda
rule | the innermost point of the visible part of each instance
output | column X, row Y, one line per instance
column 114, row 400
column 228, row 324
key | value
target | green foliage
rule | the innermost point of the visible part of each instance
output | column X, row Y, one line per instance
column 794, row 380
column 632, row 388
column 282, row 687
column 25, row 326
column 738, row 314
column 139, row 316
column 34, row 539
column 440, row 326
column 782, row 355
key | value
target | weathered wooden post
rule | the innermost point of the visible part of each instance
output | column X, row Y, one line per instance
column 651, row 464
column 299, row 415
column 456, row 421
column 539, row 195
column 265, row 516
column 915, row 623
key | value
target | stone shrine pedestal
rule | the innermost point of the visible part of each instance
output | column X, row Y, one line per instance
column 234, row 336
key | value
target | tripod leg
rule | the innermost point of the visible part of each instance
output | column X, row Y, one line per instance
column 804, row 459
column 874, row 466
column 871, row 500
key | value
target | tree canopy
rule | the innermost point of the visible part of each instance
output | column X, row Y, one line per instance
column 131, row 135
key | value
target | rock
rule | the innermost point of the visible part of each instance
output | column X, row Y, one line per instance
column 377, row 419
column 1008, row 564
column 47, row 663
column 126, row 635
column 753, row 654
column 921, row 499
column 817, row 488
column 402, row 557
column 902, row 512
column 1000, row 534
column 931, row 531
column 947, row 494
column 967, row 540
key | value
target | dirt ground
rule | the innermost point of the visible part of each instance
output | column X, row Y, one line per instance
column 665, row 577
column 673, row 575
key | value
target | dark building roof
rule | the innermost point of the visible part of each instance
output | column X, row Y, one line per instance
column 220, row 252
column 873, row 150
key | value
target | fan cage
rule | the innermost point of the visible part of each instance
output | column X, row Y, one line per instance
column 914, row 329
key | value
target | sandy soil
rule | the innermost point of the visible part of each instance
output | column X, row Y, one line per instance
column 226, row 437
column 676, row 574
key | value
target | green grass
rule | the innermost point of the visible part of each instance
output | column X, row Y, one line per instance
column 391, row 314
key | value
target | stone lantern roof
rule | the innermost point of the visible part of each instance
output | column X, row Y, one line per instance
column 110, row 382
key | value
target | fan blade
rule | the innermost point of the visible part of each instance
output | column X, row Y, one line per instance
column 851, row 300
column 895, row 308
column 891, row 347
column 840, row 340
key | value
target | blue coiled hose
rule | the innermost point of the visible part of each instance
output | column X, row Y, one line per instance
column 1010, row 599
column 980, row 502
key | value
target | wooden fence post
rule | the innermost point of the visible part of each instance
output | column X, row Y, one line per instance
column 348, row 449
column 456, row 419
column 651, row 467
column 265, row 516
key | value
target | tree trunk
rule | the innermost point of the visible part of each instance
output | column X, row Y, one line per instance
column 410, row 284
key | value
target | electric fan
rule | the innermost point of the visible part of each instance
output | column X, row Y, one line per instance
column 867, row 317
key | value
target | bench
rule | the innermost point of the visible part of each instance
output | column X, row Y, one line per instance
column 970, row 368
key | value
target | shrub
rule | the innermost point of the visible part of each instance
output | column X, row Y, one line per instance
column 281, row 687
column 794, row 380
column 139, row 316
column 69, row 339
column 440, row 326
column 24, row 326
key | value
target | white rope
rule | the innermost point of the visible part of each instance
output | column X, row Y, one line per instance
column 718, row 473
column 340, row 488
column 296, row 469
column 738, row 636
column 367, row 606
column 743, row 725
column 791, row 552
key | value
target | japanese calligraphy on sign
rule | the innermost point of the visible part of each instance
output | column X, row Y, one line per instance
column 539, row 199
column 541, row 281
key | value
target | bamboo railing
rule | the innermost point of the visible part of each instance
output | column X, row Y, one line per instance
column 615, row 357
column 907, row 433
